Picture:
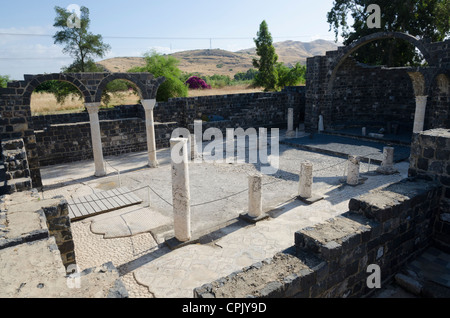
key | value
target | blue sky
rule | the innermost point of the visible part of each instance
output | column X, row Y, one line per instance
column 178, row 25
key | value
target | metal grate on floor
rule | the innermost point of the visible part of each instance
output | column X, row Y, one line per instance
column 101, row 202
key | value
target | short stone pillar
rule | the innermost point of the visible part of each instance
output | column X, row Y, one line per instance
column 96, row 137
column 305, row 193
column 180, row 189
column 290, row 125
column 353, row 170
column 254, row 196
column 419, row 117
column 387, row 165
column 306, row 180
column 149, row 105
column 321, row 126
column 194, row 151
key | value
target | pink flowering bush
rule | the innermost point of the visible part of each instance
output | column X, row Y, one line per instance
column 195, row 82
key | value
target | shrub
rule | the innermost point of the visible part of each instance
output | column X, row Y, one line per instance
column 4, row 81
column 218, row 81
column 166, row 66
column 195, row 82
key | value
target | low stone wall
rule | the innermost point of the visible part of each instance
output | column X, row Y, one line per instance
column 66, row 138
column 58, row 223
column 430, row 159
column 16, row 172
column 72, row 142
column 242, row 110
column 118, row 112
column 387, row 228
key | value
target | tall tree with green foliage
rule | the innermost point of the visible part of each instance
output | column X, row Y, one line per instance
column 266, row 65
column 422, row 18
column 81, row 44
column 167, row 66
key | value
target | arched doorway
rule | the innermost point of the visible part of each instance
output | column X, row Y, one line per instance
column 359, row 95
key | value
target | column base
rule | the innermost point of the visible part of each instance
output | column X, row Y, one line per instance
column 153, row 164
column 100, row 174
column 386, row 170
column 290, row 134
column 250, row 219
column 313, row 199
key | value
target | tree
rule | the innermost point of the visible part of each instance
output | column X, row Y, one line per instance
column 81, row 44
column 247, row 76
column 422, row 18
column 167, row 66
column 4, row 79
column 267, row 75
column 290, row 76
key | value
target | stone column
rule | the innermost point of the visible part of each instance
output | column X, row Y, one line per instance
column 149, row 105
column 92, row 109
column 306, row 180
column 419, row 117
column 180, row 189
column 290, row 126
column 387, row 165
column 321, row 126
column 254, row 196
column 353, row 170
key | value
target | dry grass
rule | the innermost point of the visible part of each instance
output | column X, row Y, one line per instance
column 227, row 90
column 45, row 103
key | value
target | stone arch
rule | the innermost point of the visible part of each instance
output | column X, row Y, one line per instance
column 39, row 79
column 345, row 52
column 336, row 60
column 135, row 79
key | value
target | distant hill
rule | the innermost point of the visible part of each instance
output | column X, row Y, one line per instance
column 215, row 61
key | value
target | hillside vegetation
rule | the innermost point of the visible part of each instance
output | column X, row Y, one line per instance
column 211, row 62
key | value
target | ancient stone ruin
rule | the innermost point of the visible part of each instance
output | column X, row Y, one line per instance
column 387, row 227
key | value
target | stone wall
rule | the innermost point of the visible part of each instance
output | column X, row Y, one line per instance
column 62, row 143
column 58, row 223
column 15, row 112
column 344, row 92
column 124, row 111
column 387, row 227
column 16, row 172
column 242, row 110
column 370, row 96
column 67, row 137
column 430, row 159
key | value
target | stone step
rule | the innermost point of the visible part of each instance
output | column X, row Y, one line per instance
column 336, row 236
column 17, row 185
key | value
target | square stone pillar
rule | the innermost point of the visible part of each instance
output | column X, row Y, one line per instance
column 96, row 136
column 181, row 197
column 149, row 105
column 290, row 133
column 419, row 117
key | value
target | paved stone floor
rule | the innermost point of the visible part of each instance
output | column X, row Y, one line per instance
column 134, row 238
